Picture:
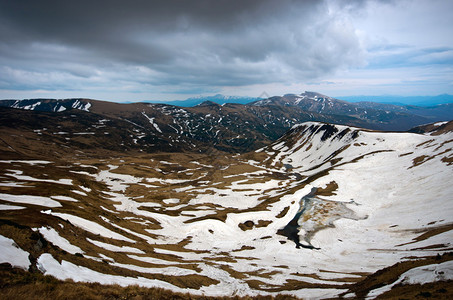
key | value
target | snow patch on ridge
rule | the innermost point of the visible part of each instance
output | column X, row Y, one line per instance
column 151, row 120
column 81, row 106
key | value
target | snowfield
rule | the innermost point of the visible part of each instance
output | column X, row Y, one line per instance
column 358, row 201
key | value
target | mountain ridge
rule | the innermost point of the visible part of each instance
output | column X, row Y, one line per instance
column 231, row 127
column 368, row 115
column 208, row 126
column 379, row 116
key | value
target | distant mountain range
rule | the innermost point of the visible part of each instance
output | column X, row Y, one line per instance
column 403, row 100
column 377, row 115
column 388, row 99
column 218, row 98
column 83, row 124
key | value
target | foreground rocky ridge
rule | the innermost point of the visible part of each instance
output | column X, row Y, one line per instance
column 212, row 224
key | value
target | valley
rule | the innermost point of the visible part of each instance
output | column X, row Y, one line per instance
column 104, row 208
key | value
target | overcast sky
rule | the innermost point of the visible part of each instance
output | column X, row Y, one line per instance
column 163, row 50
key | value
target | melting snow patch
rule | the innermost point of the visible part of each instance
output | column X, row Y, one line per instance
column 79, row 105
column 11, row 253
column 52, row 236
column 17, row 174
column 114, row 248
column 66, row 270
column 87, row 106
column 152, row 260
column 117, row 182
column 30, row 162
column 13, row 184
column 419, row 275
column 32, row 106
column 90, row 226
column 430, row 273
column 172, row 271
column 106, row 257
column 10, row 207
column 440, row 123
column 64, row 198
column 79, row 192
column 26, row 199
column 151, row 120
column 86, row 189
column 170, row 201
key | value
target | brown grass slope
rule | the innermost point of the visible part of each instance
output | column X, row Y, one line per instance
column 19, row 284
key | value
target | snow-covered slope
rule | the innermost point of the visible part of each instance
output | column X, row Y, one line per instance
column 48, row 104
column 395, row 186
column 309, row 216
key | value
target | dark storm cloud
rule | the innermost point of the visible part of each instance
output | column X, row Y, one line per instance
column 160, row 43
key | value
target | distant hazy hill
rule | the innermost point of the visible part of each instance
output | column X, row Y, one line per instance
column 219, row 99
column 400, row 100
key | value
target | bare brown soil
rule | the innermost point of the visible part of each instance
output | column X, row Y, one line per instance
column 429, row 232
column 329, row 190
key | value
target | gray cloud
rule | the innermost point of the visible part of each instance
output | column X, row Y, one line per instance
column 146, row 44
